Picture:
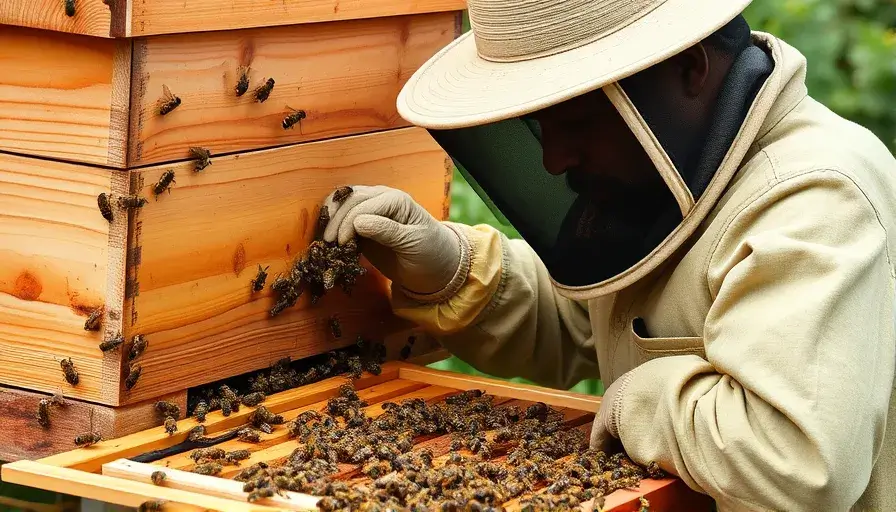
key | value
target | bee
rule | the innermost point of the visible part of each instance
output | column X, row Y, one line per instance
column 43, row 413
column 237, row 455
column 242, row 85
column 209, row 468
column 133, row 374
column 131, row 202
column 253, row 399
column 323, row 218
column 202, row 156
column 88, row 439
column 207, row 453
column 264, row 90
column 645, row 505
column 263, row 415
column 229, row 398
column 164, row 183
column 196, row 433
column 341, row 194
column 105, row 206
column 257, row 494
column 168, row 408
column 335, row 327
column 264, row 427
column 138, row 345
column 68, row 369
column 168, row 102
column 170, row 425
column 225, row 406
column 248, row 435
column 94, row 321
column 293, row 118
column 258, row 282
column 69, row 8
column 157, row 477
column 200, row 411
column 406, row 350
column 152, row 506
column 112, row 343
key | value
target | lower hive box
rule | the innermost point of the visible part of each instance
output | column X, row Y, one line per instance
column 407, row 434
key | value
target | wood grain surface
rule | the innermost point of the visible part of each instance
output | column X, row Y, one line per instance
column 56, row 250
column 21, row 437
column 181, row 16
column 92, row 17
column 195, row 250
column 344, row 75
column 64, row 96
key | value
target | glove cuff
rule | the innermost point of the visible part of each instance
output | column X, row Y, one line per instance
column 616, row 406
column 460, row 276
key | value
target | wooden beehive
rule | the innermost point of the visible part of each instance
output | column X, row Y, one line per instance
column 104, row 471
column 79, row 117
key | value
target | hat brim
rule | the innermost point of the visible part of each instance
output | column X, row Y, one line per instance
column 457, row 88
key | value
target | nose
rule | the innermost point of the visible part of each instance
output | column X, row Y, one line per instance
column 558, row 154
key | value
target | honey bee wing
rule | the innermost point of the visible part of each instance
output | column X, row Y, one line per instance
column 166, row 93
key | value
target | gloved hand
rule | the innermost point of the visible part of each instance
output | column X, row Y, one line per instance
column 605, row 429
column 399, row 237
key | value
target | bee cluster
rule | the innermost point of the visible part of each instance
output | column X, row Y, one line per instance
column 282, row 375
column 526, row 448
column 322, row 267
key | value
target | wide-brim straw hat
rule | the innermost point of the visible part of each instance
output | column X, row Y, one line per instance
column 525, row 55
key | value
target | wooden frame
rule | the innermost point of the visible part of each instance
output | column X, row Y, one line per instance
column 103, row 470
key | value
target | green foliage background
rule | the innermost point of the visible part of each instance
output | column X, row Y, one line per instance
column 851, row 49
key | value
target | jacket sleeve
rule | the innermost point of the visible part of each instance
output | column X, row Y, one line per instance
column 789, row 409
column 506, row 319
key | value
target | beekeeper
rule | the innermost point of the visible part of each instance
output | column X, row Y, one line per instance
column 700, row 234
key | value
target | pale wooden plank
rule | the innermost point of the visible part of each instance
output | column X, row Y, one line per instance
column 64, row 96
column 179, row 16
column 556, row 398
column 372, row 395
column 92, row 17
column 344, row 75
column 91, row 459
column 55, row 249
column 197, row 249
column 205, row 485
column 21, row 437
column 115, row 490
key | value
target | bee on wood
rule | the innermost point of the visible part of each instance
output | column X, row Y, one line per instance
column 138, row 345
column 263, row 415
column 105, row 206
column 164, row 183
column 168, row 102
column 68, row 369
column 112, row 343
column 235, row 456
column 157, row 477
column 260, row 278
column 209, row 468
column 69, row 8
column 341, row 194
column 654, row 471
column 229, row 400
column 94, row 321
column 248, row 435
column 133, row 375
column 226, row 409
column 242, row 84
column 170, row 425
column 207, row 453
column 335, row 327
column 88, row 439
column 323, row 218
column 264, row 90
column 266, row 428
column 293, row 118
column 200, row 411
column 645, row 505
column 196, row 433
column 202, row 156
column 131, row 202
column 152, row 506
column 43, row 413
column 257, row 494
column 253, row 399
column 166, row 408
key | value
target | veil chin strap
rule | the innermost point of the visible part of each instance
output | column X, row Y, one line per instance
column 651, row 145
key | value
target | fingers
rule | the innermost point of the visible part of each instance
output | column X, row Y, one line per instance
column 381, row 230
column 338, row 211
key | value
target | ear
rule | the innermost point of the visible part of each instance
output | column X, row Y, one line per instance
column 693, row 67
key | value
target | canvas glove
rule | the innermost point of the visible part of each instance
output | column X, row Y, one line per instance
column 400, row 238
column 605, row 430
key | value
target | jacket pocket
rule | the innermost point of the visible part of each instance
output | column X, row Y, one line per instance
column 648, row 348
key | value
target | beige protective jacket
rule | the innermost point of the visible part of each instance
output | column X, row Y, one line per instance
column 763, row 360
